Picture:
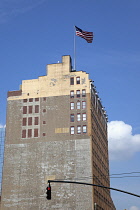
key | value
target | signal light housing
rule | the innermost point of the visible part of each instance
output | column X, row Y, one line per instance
column 48, row 192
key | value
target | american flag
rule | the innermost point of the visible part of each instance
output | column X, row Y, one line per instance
column 88, row 36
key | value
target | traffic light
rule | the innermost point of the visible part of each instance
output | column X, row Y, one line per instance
column 48, row 192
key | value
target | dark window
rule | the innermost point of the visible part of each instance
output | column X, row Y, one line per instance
column 44, row 122
column 25, row 100
column 72, row 93
column 83, row 93
column 36, row 99
column 24, row 109
column 77, row 80
column 44, row 134
column 29, row 120
column 29, row 133
column 23, row 133
column 30, row 109
column 72, row 81
column 78, row 93
column 44, row 110
column 36, row 121
column 44, row 99
column 36, row 108
column 30, row 99
column 24, row 121
column 72, row 117
column 35, row 132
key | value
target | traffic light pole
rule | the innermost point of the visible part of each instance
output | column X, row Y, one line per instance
column 84, row 183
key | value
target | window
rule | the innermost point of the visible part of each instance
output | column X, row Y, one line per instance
column 78, row 129
column 36, row 132
column 36, row 108
column 30, row 99
column 72, row 93
column 36, row 121
column 77, row 80
column 44, row 122
column 72, row 130
column 78, row 105
column 36, row 99
column 72, row 105
column 44, row 134
column 72, row 81
column 83, row 93
column 83, row 104
column 84, row 116
column 29, row 120
column 29, row 133
column 84, row 128
column 24, row 121
column 24, row 100
column 78, row 93
column 72, row 117
column 44, row 99
column 23, row 133
column 30, row 109
column 44, row 110
column 78, row 117
column 24, row 109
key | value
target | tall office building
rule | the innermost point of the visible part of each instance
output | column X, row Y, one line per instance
column 56, row 129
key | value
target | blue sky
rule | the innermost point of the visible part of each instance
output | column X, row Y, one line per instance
column 36, row 33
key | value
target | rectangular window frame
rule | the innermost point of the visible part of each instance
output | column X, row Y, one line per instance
column 79, row 129
column 36, row 132
column 72, row 130
column 84, row 129
column 71, row 105
column 24, row 133
column 72, row 94
column 29, row 133
column 83, row 92
column 78, row 93
column 36, row 108
column 30, row 109
column 72, row 81
column 77, row 80
column 36, row 121
column 78, row 117
column 29, row 121
column 24, row 109
column 30, row 99
column 71, row 117
column 83, row 104
column 78, row 105
column 24, row 121
column 84, row 116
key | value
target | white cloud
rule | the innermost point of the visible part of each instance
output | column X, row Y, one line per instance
column 134, row 208
column 122, row 144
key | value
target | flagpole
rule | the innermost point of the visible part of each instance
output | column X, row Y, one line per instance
column 74, row 50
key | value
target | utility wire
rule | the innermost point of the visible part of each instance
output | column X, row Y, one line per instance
column 111, row 176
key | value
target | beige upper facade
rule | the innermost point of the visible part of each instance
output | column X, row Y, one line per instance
column 55, row 83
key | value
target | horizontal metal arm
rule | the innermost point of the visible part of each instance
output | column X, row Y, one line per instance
column 84, row 183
